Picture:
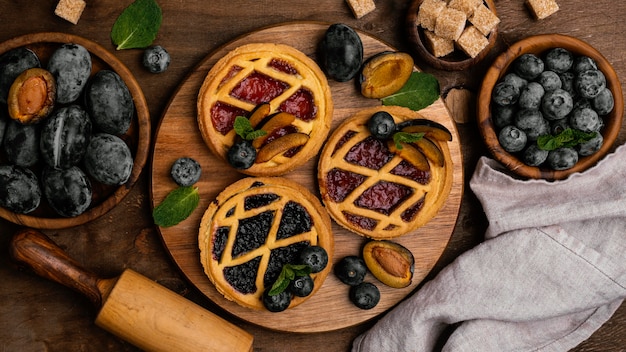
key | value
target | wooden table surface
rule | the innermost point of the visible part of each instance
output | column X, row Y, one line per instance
column 37, row 315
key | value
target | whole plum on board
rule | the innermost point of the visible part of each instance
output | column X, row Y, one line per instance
column 68, row 191
column 109, row 102
column 19, row 189
column 65, row 136
column 70, row 65
column 341, row 52
column 21, row 144
column 12, row 64
column 108, row 159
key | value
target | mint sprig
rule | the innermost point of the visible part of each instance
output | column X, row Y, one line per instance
column 177, row 206
column 567, row 138
column 421, row 90
column 245, row 130
column 288, row 273
column 137, row 26
column 406, row 137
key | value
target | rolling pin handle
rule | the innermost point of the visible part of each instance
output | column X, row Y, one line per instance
column 36, row 251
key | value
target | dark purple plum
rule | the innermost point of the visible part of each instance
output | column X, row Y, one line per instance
column 108, row 159
column 19, row 189
column 109, row 102
column 65, row 137
column 68, row 191
column 70, row 65
column 12, row 63
column 341, row 52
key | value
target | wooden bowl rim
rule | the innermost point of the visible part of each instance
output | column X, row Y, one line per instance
column 415, row 40
column 143, row 130
column 538, row 44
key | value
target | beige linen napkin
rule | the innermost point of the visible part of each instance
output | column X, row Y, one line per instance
column 552, row 269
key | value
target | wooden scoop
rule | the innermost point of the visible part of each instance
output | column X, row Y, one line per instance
column 132, row 306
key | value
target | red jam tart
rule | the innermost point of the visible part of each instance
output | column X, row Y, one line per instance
column 284, row 79
column 376, row 190
column 253, row 228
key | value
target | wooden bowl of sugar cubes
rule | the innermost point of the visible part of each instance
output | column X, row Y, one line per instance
column 452, row 35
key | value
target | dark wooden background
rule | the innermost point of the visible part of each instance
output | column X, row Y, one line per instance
column 36, row 315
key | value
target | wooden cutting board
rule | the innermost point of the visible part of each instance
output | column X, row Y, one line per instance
column 330, row 308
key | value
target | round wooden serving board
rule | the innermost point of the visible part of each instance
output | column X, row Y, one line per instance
column 330, row 308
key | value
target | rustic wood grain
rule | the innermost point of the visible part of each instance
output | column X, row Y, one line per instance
column 36, row 315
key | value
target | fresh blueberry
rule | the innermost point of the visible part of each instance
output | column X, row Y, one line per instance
column 559, row 60
column 550, row 80
column 351, row 270
column 156, row 59
column 515, row 80
column 591, row 146
column 567, row 83
column 604, row 102
column 381, row 125
column 558, row 126
column 301, row 286
column 562, row 158
column 528, row 66
column 590, row 83
column 530, row 96
column 505, row 94
column 556, row 104
column 365, row 295
column 586, row 120
column 503, row 115
column 315, row 257
column 241, row 155
column 534, row 156
column 584, row 63
column 185, row 171
column 532, row 123
column 276, row 303
column 512, row 139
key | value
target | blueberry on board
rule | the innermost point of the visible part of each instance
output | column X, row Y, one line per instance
column 530, row 96
column 315, row 257
column 241, row 155
column 590, row 83
column 21, row 143
column 19, row 189
column 70, row 65
column 351, row 270
column 108, row 159
column 514, row 79
column 556, row 104
column 185, row 171
column 301, row 286
column 381, row 125
column 528, row 66
column 602, row 103
column 532, row 123
column 276, row 303
column 341, row 52
column 562, row 158
column 591, row 146
column 534, row 156
column 65, row 136
column 550, row 80
column 503, row 115
column 586, row 120
column 365, row 295
column 559, row 60
column 512, row 139
column 584, row 63
column 68, row 191
column 12, row 63
column 505, row 94
column 109, row 102
column 156, row 59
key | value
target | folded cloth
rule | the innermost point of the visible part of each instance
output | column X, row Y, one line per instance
column 551, row 271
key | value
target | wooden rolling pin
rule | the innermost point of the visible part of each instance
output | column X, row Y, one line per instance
column 132, row 306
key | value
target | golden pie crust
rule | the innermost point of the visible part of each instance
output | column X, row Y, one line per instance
column 302, row 74
column 344, row 210
column 229, row 211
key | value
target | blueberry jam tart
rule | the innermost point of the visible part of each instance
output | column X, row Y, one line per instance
column 281, row 92
column 385, row 171
column 256, row 226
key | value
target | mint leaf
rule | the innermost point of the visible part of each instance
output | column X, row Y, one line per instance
column 421, row 90
column 245, row 130
column 287, row 274
column 137, row 26
column 406, row 137
column 177, row 206
column 567, row 138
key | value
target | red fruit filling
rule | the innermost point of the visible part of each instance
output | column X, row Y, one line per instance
column 370, row 153
column 383, row 197
column 409, row 214
column 406, row 169
column 282, row 66
column 339, row 183
column 361, row 221
column 301, row 105
column 258, row 88
column 223, row 116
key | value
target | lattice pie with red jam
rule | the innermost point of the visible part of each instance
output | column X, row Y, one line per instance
column 385, row 172
column 286, row 92
column 253, row 228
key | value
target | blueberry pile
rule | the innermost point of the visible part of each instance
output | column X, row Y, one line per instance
column 351, row 270
column 549, row 109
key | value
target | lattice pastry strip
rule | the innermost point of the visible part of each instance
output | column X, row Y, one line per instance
column 229, row 212
column 420, row 203
column 301, row 77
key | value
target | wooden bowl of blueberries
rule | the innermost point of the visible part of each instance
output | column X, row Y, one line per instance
column 550, row 106
column 74, row 130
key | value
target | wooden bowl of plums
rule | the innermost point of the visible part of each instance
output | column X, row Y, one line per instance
column 550, row 106
column 74, row 130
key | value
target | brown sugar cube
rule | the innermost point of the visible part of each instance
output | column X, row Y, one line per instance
column 472, row 41
column 484, row 19
column 361, row 8
column 428, row 12
column 438, row 46
column 466, row 6
column 70, row 10
column 450, row 23
column 542, row 8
